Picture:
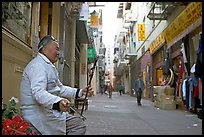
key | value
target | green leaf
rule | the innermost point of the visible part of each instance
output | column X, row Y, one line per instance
column 4, row 106
column 13, row 103
column 28, row 130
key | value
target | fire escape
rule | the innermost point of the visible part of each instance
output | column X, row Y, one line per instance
column 161, row 10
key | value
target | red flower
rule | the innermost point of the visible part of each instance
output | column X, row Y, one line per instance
column 16, row 126
column 12, row 122
column 7, row 127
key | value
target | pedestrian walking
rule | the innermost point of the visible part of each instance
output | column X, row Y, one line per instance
column 44, row 99
column 110, row 90
column 106, row 89
column 139, row 87
column 121, row 89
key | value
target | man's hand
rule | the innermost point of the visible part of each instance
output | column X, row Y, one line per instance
column 90, row 92
column 64, row 105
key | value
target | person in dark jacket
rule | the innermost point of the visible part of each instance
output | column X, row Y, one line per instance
column 121, row 89
column 139, row 87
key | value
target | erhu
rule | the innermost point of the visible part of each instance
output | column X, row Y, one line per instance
column 87, row 90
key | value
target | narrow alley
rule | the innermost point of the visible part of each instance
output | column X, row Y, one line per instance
column 137, row 67
column 120, row 115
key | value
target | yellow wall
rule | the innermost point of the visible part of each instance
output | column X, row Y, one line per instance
column 15, row 56
column 44, row 19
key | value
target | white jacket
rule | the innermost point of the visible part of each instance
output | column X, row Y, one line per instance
column 40, row 89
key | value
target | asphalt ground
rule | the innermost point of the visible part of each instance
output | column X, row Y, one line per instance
column 120, row 115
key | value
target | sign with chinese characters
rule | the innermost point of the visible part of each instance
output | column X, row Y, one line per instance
column 141, row 32
column 157, row 43
column 190, row 15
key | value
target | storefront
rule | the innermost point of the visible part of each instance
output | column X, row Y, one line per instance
column 145, row 69
column 182, row 37
column 157, row 52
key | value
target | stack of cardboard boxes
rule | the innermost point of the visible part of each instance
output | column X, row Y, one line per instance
column 164, row 97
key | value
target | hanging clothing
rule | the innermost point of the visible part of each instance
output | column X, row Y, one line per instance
column 200, row 46
column 179, row 76
column 184, row 89
column 184, row 53
column 195, row 87
column 198, row 66
column 200, row 90
column 190, row 82
column 187, row 95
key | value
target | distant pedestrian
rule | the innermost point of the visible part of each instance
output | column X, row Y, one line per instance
column 110, row 90
column 139, row 87
column 106, row 89
column 121, row 89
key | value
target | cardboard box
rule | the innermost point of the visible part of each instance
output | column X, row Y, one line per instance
column 168, row 106
column 167, row 99
column 169, row 90
column 157, row 103
column 158, row 89
column 164, row 98
column 168, row 102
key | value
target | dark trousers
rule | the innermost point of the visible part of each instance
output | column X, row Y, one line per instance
column 139, row 96
column 110, row 94
column 120, row 92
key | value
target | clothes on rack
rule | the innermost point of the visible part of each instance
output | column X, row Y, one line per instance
column 192, row 92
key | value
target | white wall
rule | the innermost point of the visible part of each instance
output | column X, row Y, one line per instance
column 152, row 33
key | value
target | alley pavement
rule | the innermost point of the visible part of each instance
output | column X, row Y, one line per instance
column 120, row 115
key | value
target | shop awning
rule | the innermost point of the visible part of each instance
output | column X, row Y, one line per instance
column 81, row 32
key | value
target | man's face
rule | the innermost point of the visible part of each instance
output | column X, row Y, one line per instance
column 51, row 51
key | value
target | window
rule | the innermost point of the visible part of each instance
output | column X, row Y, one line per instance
column 16, row 17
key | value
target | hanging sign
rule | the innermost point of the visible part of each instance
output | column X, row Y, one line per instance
column 94, row 20
column 141, row 32
column 160, row 40
column 91, row 53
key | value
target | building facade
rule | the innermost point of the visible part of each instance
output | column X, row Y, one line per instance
column 150, row 41
column 25, row 23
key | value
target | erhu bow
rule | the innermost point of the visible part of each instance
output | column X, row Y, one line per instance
column 89, row 84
